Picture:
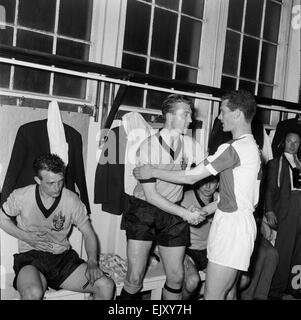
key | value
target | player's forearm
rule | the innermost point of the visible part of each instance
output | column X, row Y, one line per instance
column 11, row 228
column 167, row 206
column 210, row 208
column 182, row 177
column 178, row 177
column 91, row 247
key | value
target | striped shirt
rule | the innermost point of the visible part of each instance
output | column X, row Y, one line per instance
column 239, row 165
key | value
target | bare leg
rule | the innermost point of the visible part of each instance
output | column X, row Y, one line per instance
column 137, row 255
column 31, row 283
column 173, row 262
column 191, row 279
column 219, row 280
column 244, row 285
column 102, row 289
column 232, row 293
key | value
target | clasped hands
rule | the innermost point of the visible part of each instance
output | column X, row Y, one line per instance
column 195, row 215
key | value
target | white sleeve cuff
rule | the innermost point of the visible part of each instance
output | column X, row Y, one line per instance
column 211, row 169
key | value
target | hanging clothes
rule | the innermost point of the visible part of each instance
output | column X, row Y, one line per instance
column 109, row 175
column 114, row 180
column 31, row 141
column 56, row 132
column 137, row 130
column 218, row 137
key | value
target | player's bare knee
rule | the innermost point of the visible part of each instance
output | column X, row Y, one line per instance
column 135, row 278
column 175, row 277
column 192, row 282
column 104, row 286
column 32, row 293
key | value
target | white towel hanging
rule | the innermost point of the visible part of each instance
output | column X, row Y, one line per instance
column 56, row 132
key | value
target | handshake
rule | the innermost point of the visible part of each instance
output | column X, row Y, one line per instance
column 195, row 215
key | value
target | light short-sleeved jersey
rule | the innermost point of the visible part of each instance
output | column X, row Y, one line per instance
column 238, row 162
column 151, row 151
column 26, row 205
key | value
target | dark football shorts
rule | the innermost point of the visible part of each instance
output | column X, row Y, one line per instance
column 143, row 221
column 56, row 268
column 199, row 258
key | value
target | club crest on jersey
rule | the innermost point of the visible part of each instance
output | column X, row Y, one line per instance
column 58, row 222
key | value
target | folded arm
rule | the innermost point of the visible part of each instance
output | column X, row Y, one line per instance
column 35, row 239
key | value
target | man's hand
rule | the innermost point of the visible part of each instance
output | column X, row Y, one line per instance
column 195, row 215
column 266, row 230
column 271, row 219
column 93, row 272
column 143, row 172
column 38, row 240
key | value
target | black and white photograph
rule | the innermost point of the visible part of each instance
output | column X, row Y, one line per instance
column 150, row 153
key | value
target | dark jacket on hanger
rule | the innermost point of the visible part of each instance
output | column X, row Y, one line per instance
column 32, row 141
column 218, row 136
column 109, row 176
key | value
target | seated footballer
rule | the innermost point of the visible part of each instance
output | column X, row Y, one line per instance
column 40, row 216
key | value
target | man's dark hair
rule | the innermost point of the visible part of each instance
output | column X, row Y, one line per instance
column 242, row 100
column 208, row 179
column 291, row 132
column 169, row 104
column 49, row 162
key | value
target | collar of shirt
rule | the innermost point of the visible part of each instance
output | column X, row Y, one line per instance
column 245, row 135
column 170, row 136
column 290, row 159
